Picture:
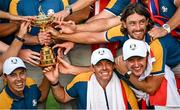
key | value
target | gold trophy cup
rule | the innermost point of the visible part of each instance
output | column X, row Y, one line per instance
column 47, row 57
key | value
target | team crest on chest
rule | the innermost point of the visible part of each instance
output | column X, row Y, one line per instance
column 164, row 9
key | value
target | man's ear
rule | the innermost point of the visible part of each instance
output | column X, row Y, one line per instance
column 4, row 78
column 92, row 66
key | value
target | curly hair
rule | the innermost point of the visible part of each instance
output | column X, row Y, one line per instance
column 139, row 9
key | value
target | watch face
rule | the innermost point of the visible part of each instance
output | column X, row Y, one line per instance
column 167, row 28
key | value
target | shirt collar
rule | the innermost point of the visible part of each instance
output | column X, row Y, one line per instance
column 11, row 94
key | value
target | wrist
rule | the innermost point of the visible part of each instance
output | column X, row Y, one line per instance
column 166, row 27
column 55, row 84
column 127, row 74
column 69, row 9
column 19, row 38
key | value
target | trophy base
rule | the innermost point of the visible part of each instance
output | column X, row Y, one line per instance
column 47, row 57
column 46, row 65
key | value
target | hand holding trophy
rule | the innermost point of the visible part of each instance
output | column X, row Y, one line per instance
column 47, row 57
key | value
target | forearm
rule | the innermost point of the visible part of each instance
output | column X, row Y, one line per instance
column 31, row 40
column 44, row 88
column 98, row 25
column 174, row 21
column 13, row 50
column 149, row 85
column 102, row 14
column 80, row 4
column 59, row 93
column 78, row 70
column 5, row 47
column 8, row 28
column 83, row 37
column 4, row 15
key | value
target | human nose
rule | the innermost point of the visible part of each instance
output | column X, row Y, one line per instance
column 104, row 66
column 137, row 26
column 18, row 77
column 135, row 63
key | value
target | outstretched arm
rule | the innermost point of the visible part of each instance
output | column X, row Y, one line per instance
column 8, row 28
column 98, row 25
column 78, row 5
column 82, row 37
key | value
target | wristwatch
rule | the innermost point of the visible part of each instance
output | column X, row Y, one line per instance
column 127, row 75
column 69, row 8
column 167, row 27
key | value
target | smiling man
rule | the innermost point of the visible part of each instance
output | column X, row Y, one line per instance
column 99, row 89
column 20, row 92
column 160, row 89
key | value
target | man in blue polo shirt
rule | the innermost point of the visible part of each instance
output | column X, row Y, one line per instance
column 20, row 92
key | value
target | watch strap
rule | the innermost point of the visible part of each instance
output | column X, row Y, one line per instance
column 19, row 38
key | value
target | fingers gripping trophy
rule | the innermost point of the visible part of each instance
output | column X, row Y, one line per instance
column 47, row 57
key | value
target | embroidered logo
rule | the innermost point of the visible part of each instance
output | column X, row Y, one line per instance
column 34, row 102
column 50, row 12
column 101, row 52
column 164, row 9
column 14, row 61
column 133, row 46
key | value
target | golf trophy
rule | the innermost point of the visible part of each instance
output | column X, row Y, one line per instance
column 47, row 57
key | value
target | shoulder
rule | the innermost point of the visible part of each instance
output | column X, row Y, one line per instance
column 6, row 100
column 114, row 32
column 13, row 6
column 158, row 52
column 30, row 82
column 82, row 77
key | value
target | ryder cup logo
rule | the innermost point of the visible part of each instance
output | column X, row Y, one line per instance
column 14, row 61
column 50, row 12
column 101, row 52
column 133, row 46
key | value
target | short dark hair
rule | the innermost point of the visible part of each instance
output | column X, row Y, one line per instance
column 139, row 9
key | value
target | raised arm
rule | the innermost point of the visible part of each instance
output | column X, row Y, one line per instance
column 13, row 50
column 44, row 88
column 58, row 91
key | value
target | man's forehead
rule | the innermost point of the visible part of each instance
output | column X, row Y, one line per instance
column 135, row 17
column 135, row 57
column 18, row 70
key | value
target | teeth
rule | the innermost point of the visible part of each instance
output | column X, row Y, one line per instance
column 137, row 32
column 104, row 73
